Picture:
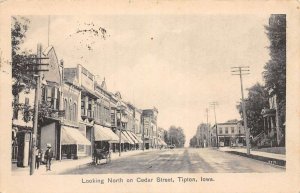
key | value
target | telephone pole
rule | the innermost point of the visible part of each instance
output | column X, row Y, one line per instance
column 240, row 71
column 37, row 64
column 214, row 104
column 208, row 132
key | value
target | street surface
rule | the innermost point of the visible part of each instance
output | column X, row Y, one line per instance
column 186, row 160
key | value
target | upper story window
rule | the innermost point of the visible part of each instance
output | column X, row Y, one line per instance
column 232, row 129
column 220, row 130
column 226, row 130
column 74, row 112
column 50, row 94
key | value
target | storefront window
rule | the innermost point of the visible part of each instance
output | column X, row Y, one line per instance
column 80, row 148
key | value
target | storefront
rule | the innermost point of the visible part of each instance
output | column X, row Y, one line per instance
column 131, row 142
column 73, row 143
column 124, row 142
column 104, row 138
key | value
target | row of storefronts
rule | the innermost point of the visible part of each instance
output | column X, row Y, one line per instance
column 84, row 115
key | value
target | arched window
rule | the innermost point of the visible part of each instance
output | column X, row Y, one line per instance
column 70, row 110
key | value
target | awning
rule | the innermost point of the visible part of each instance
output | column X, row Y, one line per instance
column 132, row 137
column 105, row 134
column 128, row 137
column 137, row 139
column 123, row 138
column 71, row 136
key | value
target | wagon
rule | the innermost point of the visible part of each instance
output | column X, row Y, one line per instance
column 100, row 154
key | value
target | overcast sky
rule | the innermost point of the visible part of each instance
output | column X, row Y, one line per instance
column 176, row 63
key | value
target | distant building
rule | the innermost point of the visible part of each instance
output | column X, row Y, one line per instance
column 202, row 136
column 229, row 134
column 149, row 120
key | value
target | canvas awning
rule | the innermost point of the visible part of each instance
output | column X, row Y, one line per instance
column 130, row 141
column 123, row 138
column 137, row 139
column 105, row 134
column 132, row 137
column 71, row 136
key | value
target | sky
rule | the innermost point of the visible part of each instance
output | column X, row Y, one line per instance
column 177, row 63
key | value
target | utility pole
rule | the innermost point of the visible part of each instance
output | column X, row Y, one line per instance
column 240, row 71
column 208, row 136
column 120, row 132
column 214, row 104
column 37, row 73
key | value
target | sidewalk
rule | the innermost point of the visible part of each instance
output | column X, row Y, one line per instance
column 272, row 158
column 61, row 166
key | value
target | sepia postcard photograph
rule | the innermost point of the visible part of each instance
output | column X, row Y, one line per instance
column 114, row 99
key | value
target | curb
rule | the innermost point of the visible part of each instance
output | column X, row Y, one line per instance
column 271, row 161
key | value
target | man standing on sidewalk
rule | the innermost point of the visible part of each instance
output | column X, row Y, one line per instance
column 48, row 157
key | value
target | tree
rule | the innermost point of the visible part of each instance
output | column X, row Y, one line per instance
column 23, row 72
column 257, row 99
column 22, row 79
column 166, row 137
column 275, row 68
column 176, row 136
column 193, row 141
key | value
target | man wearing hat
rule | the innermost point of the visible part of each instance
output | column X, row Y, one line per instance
column 48, row 157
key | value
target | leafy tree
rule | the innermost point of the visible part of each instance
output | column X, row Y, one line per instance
column 166, row 137
column 22, row 81
column 22, row 72
column 193, row 141
column 22, row 78
column 275, row 69
column 257, row 99
column 176, row 136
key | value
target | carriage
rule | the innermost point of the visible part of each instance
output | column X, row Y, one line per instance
column 100, row 154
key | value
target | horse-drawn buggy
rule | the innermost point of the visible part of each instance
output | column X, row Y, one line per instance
column 100, row 154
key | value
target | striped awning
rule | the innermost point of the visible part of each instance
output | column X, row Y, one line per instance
column 105, row 134
column 132, row 137
column 72, row 136
column 137, row 139
column 128, row 137
column 123, row 138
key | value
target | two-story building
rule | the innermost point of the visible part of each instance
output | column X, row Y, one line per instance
column 230, row 133
column 49, row 125
column 87, row 98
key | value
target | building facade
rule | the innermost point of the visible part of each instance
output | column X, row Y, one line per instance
column 78, row 115
column 230, row 134
column 149, row 120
